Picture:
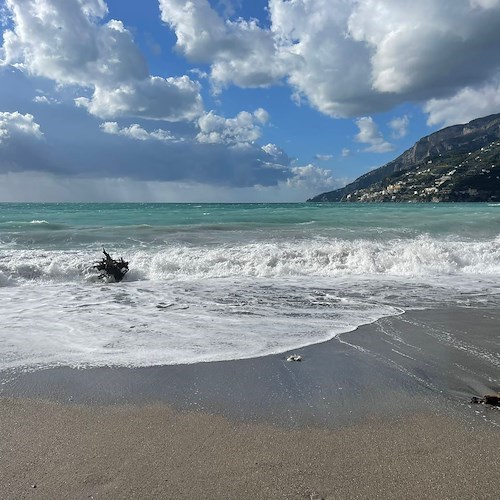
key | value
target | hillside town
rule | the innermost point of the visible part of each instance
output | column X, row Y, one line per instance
column 471, row 176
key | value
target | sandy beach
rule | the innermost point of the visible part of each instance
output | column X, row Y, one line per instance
column 381, row 412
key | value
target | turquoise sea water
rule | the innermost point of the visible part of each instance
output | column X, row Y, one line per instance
column 224, row 281
column 70, row 226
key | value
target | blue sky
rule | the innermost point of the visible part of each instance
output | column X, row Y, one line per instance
column 230, row 100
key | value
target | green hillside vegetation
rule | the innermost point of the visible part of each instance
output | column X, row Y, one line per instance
column 472, row 176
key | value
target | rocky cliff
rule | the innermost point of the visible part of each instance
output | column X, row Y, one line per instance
column 452, row 148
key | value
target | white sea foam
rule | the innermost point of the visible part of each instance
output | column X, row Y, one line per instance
column 420, row 257
column 145, row 323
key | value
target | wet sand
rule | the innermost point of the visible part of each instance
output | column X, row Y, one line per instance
column 382, row 412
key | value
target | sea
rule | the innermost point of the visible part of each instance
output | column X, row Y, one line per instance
column 211, row 282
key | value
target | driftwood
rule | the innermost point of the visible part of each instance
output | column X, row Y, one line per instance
column 489, row 399
column 111, row 268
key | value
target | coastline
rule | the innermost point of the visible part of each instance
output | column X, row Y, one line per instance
column 381, row 412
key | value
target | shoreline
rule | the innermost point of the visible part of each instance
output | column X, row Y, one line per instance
column 420, row 357
column 380, row 412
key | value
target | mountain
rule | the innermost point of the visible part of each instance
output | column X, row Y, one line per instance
column 457, row 163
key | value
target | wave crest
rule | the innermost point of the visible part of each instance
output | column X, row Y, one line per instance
column 423, row 256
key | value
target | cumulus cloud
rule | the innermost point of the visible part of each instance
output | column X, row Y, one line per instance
column 311, row 178
column 241, row 130
column 276, row 155
column 70, row 46
column 22, row 142
column 465, row 105
column 378, row 53
column 135, row 131
column 239, row 52
column 370, row 134
column 427, row 47
column 155, row 98
column 75, row 148
column 16, row 124
column 399, row 126
column 343, row 57
column 68, row 42
column 273, row 150
column 346, row 57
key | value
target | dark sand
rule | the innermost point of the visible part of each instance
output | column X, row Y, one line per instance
column 382, row 412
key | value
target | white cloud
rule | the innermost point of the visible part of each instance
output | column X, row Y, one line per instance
column 140, row 150
column 345, row 152
column 346, row 57
column 323, row 157
column 243, row 129
column 134, row 160
column 277, row 155
column 135, row 131
column 15, row 124
column 330, row 69
column 427, row 47
column 262, row 115
column 306, row 44
column 22, row 142
column 230, row 6
column 43, row 99
column 370, row 134
column 156, row 98
column 311, row 179
column 73, row 145
column 465, row 105
column 273, row 150
column 239, row 51
column 66, row 41
column 399, row 126
column 343, row 57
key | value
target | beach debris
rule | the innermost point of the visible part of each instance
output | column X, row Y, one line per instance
column 111, row 268
column 294, row 357
column 315, row 496
column 489, row 399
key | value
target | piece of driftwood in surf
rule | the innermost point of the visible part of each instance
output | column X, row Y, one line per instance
column 111, row 268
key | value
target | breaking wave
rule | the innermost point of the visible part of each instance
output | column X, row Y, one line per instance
column 423, row 256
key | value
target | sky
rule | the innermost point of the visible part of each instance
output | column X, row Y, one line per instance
column 230, row 100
